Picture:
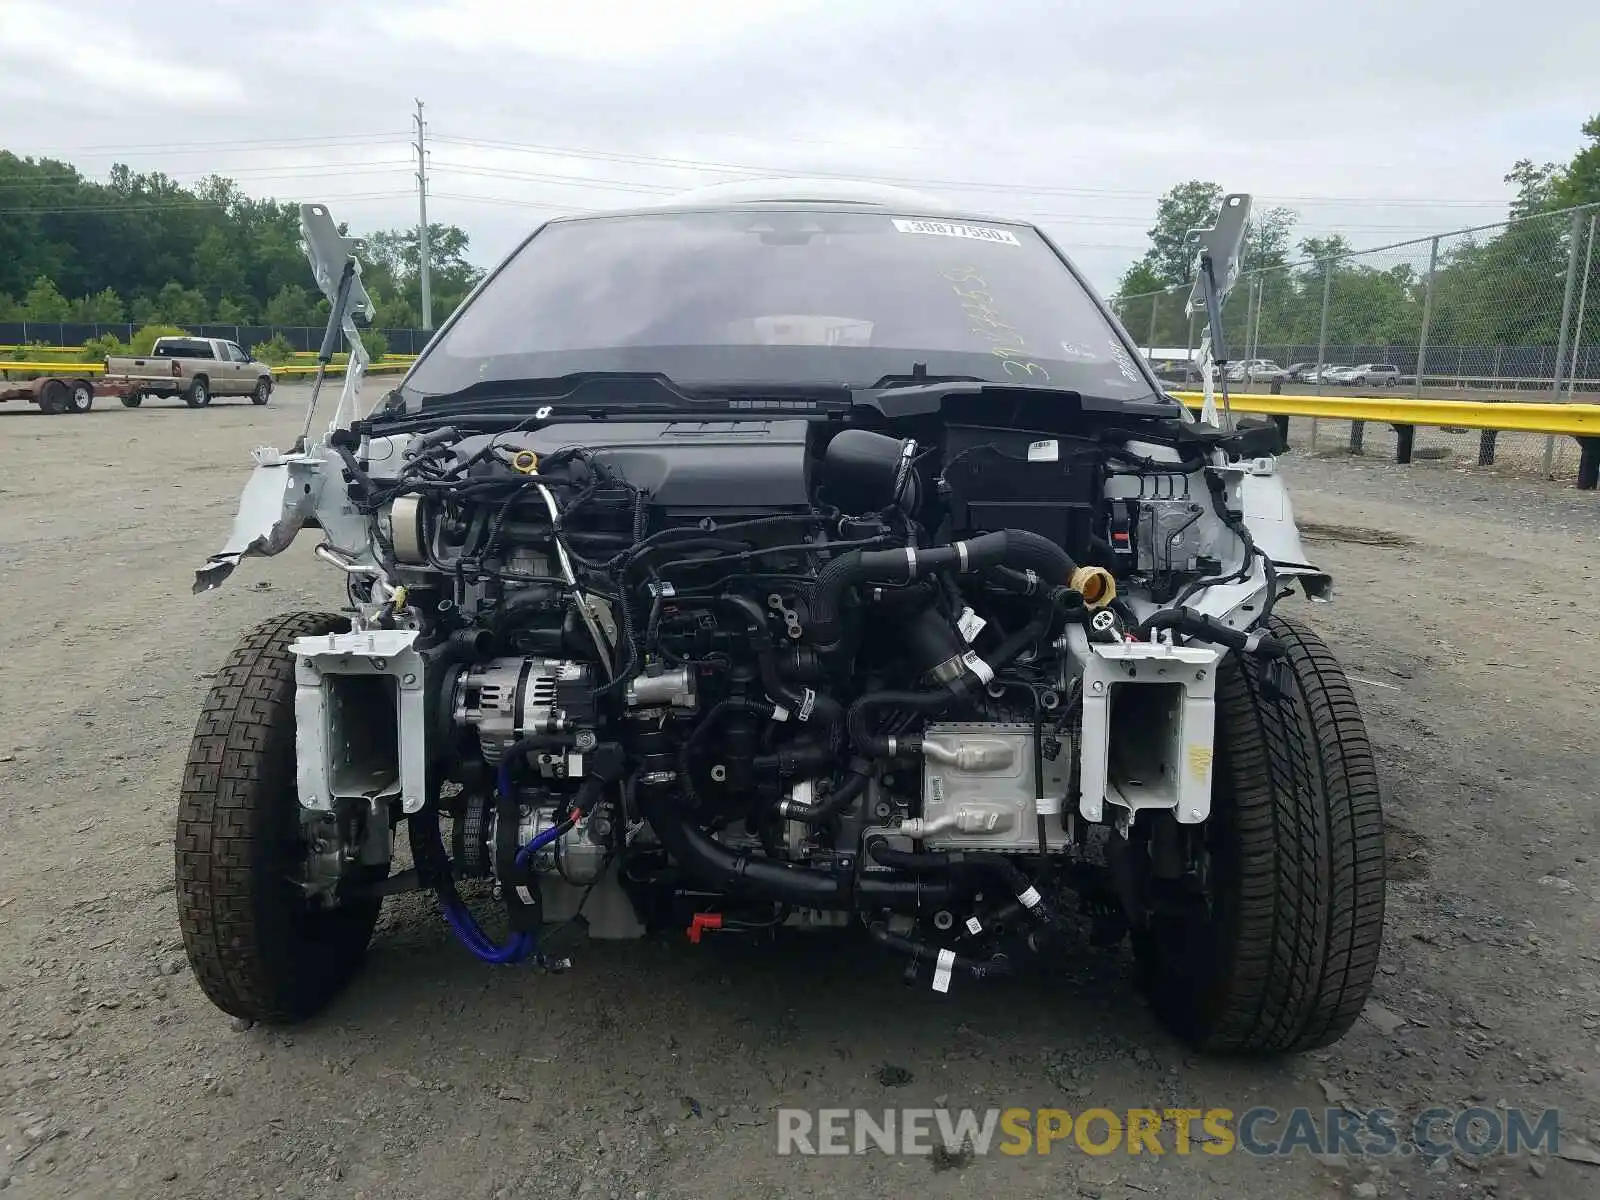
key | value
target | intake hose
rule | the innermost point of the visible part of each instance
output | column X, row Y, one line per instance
column 715, row 866
column 1015, row 548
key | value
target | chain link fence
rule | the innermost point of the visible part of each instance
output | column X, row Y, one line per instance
column 1509, row 311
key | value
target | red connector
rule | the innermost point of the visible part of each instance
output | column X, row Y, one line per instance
column 700, row 923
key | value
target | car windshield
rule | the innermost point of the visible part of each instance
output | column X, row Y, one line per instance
column 790, row 295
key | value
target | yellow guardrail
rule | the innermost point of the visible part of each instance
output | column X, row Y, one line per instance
column 54, row 368
column 338, row 368
column 1569, row 420
column 291, row 369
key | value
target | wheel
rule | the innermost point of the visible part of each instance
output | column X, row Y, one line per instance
column 258, row 947
column 1277, row 954
column 80, row 396
column 262, row 392
column 131, row 400
column 54, row 397
column 198, row 394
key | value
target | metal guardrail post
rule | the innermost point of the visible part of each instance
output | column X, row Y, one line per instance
column 1405, row 438
column 1575, row 236
column 1427, row 315
column 1588, row 463
column 1583, row 307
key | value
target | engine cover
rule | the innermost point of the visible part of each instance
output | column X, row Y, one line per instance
column 692, row 467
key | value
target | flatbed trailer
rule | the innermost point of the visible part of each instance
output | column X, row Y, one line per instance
column 70, row 393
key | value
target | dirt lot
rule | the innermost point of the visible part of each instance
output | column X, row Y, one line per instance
column 653, row 1069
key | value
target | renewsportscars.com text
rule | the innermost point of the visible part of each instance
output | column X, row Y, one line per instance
column 1263, row 1132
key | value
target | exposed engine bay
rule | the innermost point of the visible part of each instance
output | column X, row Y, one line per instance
column 735, row 673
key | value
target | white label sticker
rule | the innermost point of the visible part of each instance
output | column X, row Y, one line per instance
column 978, row 667
column 942, row 969
column 1047, row 806
column 1046, row 450
column 974, row 926
column 976, row 233
column 970, row 625
column 1030, row 898
column 524, row 894
column 780, row 713
column 807, row 703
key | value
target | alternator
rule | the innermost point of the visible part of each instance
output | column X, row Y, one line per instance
column 507, row 698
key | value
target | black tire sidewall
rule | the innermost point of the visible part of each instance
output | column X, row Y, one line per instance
column 1217, row 984
column 256, row 953
column 262, row 392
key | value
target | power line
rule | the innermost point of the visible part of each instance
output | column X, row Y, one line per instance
column 749, row 169
column 168, row 206
column 243, row 145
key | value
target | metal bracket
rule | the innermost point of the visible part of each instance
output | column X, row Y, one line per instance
column 1158, row 754
column 336, row 760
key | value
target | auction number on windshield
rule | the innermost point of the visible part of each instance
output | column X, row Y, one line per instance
column 1006, row 343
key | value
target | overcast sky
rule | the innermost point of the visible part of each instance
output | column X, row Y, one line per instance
column 1376, row 118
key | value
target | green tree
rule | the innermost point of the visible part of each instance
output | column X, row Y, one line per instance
column 104, row 307
column 292, row 305
column 1189, row 206
column 1580, row 180
column 44, row 303
column 218, row 270
column 178, row 305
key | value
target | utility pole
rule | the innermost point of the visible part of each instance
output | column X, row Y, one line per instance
column 421, row 147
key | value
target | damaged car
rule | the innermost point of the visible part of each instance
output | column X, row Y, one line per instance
column 789, row 559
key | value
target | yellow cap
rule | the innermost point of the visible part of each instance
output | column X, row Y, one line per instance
column 1096, row 584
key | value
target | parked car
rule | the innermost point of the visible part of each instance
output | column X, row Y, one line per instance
column 194, row 368
column 1255, row 370
column 1369, row 375
column 1296, row 372
column 1320, row 374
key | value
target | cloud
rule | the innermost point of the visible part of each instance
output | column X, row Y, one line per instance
column 1375, row 119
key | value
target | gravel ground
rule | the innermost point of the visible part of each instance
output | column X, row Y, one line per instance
column 653, row 1069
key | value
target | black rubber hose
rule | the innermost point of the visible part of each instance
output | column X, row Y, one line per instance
column 1029, row 901
column 1015, row 548
column 1198, row 625
column 808, row 707
column 922, row 952
column 703, row 730
column 872, row 745
column 714, row 865
column 835, row 802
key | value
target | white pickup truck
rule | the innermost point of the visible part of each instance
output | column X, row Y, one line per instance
column 194, row 368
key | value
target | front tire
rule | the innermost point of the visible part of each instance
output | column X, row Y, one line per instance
column 1280, row 956
column 262, row 392
column 259, row 949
